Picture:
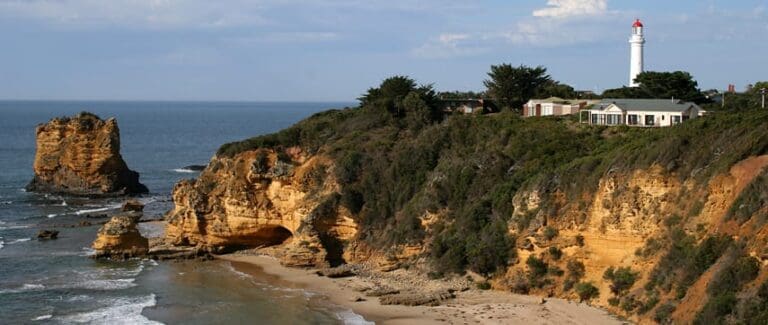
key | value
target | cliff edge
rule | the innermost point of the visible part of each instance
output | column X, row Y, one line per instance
column 80, row 155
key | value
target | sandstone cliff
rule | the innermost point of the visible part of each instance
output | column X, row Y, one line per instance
column 81, row 156
column 664, row 225
column 258, row 199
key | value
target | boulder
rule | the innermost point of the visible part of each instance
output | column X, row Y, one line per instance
column 133, row 205
column 417, row 299
column 342, row 271
column 120, row 239
column 80, row 156
column 47, row 234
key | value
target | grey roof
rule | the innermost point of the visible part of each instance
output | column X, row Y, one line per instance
column 661, row 105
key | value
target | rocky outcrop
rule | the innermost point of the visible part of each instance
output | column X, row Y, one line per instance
column 47, row 234
column 264, row 198
column 80, row 155
column 120, row 238
column 132, row 206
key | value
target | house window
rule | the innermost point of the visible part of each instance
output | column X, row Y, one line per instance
column 614, row 119
column 676, row 119
column 649, row 119
column 594, row 118
column 632, row 119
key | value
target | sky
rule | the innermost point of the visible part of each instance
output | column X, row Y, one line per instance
column 333, row 50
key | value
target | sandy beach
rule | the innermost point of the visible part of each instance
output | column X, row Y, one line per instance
column 469, row 307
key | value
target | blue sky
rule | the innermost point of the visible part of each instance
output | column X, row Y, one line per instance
column 328, row 50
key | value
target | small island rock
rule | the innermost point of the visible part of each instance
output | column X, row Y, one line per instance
column 120, row 239
column 47, row 234
column 81, row 156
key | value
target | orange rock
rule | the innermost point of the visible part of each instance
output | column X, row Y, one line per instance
column 81, row 156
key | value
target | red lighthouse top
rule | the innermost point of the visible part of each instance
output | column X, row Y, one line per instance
column 637, row 23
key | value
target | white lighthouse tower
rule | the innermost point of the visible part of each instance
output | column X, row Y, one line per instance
column 636, row 42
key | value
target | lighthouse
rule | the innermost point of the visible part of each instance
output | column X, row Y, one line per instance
column 636, row 43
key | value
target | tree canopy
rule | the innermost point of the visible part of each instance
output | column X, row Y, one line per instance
column 677, row 84
column 401, row 96
column 513, row 86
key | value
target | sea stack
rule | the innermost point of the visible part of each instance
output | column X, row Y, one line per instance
column 80, row 156
column 120, row 238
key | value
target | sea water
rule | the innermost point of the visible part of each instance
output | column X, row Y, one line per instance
column 56, row 282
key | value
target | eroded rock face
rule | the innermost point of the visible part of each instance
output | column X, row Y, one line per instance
column 81, row 156
column 256, row 199
column 120, row 239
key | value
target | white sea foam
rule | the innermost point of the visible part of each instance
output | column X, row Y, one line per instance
column 116, row 284
column 184, row 170
column 13, row 227
column 63, row 203
column 87, row 251
column 120, row 311
column 6, row 202
column 52, row 215
column 79, row 298
column 235, row 271
column 2, row 243
column 44, row 317
column 349, row 317
column 102, row 209
column 24, row 288
column 20, row 240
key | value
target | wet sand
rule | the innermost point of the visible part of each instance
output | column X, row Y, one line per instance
column 469, row 307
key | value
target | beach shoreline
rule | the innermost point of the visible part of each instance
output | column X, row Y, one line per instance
column 469, row 307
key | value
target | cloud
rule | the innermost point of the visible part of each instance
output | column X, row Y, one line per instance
column 588, row 21
column 449, row 45
column 572, row 8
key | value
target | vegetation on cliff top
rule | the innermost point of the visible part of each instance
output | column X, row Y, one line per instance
column 397, row 156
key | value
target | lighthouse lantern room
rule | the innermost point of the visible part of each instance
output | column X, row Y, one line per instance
column 636, row 41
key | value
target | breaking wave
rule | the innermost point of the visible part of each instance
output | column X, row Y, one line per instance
column 102, row 209
column 24, row 288
column 120, row 311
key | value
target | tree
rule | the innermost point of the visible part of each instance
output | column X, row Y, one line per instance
column 555, row 89
column 392, row 93
column 513, row 86
column 626, row 92
column 678, row 84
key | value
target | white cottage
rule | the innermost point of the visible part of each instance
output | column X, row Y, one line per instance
column 555, row 106
column 643, row 112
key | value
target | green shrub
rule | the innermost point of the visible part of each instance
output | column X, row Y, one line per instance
column 750, row 201
column 664, row 312
column 537, row 267
column 555, row 252
column 550, row 233
column 621, row 279
column 484, row 285
column 629, row 304
column 587, row 291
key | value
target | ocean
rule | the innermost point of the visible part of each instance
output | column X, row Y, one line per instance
column 56, row 282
